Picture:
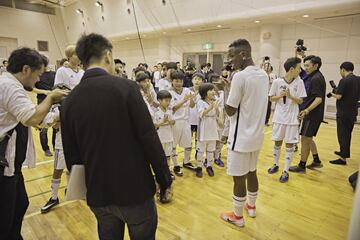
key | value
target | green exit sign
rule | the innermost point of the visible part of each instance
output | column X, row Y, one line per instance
column 207, row 46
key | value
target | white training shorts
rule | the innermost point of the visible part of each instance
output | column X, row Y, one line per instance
column 206, row 146
column 286, row 133
column 241, row 163
column 59, row 159
column 182, row 133
column 168, row 148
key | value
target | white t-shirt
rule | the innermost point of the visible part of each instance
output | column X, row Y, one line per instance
column 194, row 114
column 249, row 94
column 157, row 78
column 183, row 112
column 208, row 127
column 221, row 100
column 68, row 76
column 287, row 113
column 165, row 132
column 164, row 84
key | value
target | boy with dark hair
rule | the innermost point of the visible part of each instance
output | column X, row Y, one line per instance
column 181, row 102
column 287, row 93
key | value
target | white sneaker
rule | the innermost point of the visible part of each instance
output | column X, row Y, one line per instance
column 251, row 210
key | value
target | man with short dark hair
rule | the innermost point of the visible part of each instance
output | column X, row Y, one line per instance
column 17, row 113
column 347, row 96
column 311, row 113
column 106, row 126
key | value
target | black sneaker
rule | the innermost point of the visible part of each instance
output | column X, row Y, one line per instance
column 199, row 172
column 338, row 162
column 210, row 171
column 189, row 166
column 337, row 153
column 315, row 165
column 49, row 205
column 177, row 171
column 297, row 169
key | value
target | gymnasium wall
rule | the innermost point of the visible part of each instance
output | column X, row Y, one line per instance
column 29, row 27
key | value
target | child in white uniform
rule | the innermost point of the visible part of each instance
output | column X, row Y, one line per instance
column 163, row 121
column 181, row 102
column 287, row 93
column 209, row 114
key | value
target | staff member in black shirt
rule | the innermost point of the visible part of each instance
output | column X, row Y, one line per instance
column 347, row 97
column 43, row 86
column 311, row 112
column 106, row 125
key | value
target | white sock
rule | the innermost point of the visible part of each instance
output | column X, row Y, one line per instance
column 219, row 146
column 277, row 151
column 210, row 159
column 187, row 152
column 288, row 158
column 239, row 205
column 174, row 157
column 251, row 198
column 200, row 159
column 55, row 183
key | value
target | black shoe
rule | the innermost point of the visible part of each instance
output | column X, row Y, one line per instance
column 297, row 169
column 177, row 171
column 338, row 162
column 296, row 148
column 49, row 205
column 189, row 166
column 199, row 172
column 337, row 153
column 315, row 165
column 210, row 171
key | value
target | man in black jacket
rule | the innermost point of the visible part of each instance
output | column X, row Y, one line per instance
column 106, row 126
column 311, row 113
column 347, row 97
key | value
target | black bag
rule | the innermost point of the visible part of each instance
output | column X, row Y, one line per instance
column 353, row 179
column 3, row 145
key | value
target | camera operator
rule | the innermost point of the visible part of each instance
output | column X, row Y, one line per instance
column 17, row 113
column 347, row 96
column 312, row 113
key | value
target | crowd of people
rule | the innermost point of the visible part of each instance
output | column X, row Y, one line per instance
column 96, row 112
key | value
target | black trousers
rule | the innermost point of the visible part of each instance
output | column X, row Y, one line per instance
column 268, row 112
column 13, row 205
column 44, row 139
column 345, row 126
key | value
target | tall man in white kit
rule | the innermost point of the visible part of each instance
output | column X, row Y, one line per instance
column 246, row 106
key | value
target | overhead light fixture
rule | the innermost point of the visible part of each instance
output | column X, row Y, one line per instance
column 306, row 16
column 219, row 26
column 99, row 4
column 79, row 11
column 257, row 21
column 189, row 29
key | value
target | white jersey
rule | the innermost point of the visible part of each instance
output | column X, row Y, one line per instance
column 183, row 112
column 249, row 95
column 287, row 113
column 165, row 132
column 68, row 76
column 208, row 127
column 220, row 98
column 194, row 114
column 157, row 78
column 164, row 84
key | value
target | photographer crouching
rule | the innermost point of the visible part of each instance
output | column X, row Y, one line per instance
column 347, row 95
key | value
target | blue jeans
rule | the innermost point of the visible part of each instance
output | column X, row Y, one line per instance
column 141, row 220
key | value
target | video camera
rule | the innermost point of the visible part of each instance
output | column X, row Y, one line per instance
column 300, row 46
column 334, row 88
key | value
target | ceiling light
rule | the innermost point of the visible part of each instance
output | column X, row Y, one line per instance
column 306, row 16
column 257, row 21
column 79, row 11
column 219, row 26
column 98, row 4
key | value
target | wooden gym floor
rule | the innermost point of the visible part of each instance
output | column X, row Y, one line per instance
column 315, row 205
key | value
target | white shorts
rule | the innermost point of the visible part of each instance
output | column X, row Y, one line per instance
column 206, row 146
column 59, row 159
column 286, row 133
column 168, row 148
column 182, row 133
column 241, row 163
